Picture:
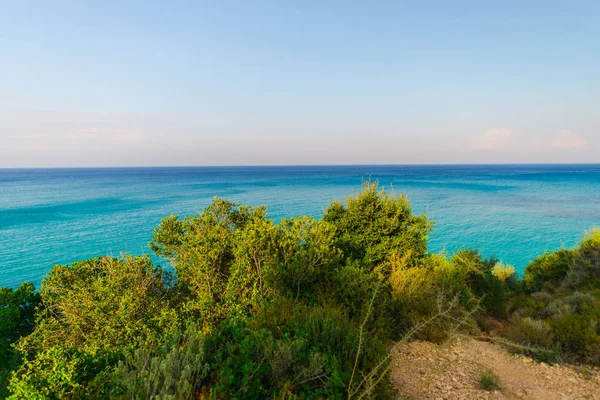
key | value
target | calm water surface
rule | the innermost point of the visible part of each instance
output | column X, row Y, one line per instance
column 55, row 216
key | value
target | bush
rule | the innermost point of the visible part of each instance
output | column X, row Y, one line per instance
column 303, row 308
column 201, row 250
column 576, row 334
column 289, row 348
column 103, row 304
column 550, row 268
column 433, row 297
column 373, row 224
column 17, row 319
column 58, row 373
column 530, row 332
column 562, row 286
column 307, row 255
column 90, row 312
column 481, row 281
column 503, row 272
column 489, row 381
column 578, row 268
column 584, row 273
column 173, row 372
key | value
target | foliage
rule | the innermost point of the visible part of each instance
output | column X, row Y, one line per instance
column 17, row 319
column 231, row 258
column 200, row 249
column 478, row 274
column 58, row 373
column 91, row 311
column 423, row 292
column 578, row 268
column 306, row 254
column 561, row 314
column 289, row 348
column 530, row 332
column 503, row 272
column 373, row 224
column 17, row 313
column 550, row 268
column 171, row 372
column 488, row 380
column 300, row 308
column 584, row 273
column 103, row 304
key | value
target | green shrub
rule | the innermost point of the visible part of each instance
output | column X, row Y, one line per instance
column 17, row 319
column 564, row 325
column 201, row 250
column 307, row 255
column 562, row 287
column 373, row 223
column 574, row 333
column 435, row 294
column 90, row 312
column 58, row 373
column 577, row 269
column 488, row 380
column 17, row 313
column 173, row 372
column 550, row 268
column 303, row 308
column 290, row 348
column 531, row 332
column 577, row 303
column 584, row 273
column 103, row 304
column 478, row 274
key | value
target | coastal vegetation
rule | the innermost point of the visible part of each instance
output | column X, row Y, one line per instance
column 301, row 308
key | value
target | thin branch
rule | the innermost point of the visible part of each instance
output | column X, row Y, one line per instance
column 360, row 338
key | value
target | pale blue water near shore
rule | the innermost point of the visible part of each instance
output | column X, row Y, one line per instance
column 55, row 216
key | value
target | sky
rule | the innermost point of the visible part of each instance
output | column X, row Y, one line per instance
column 150, row 83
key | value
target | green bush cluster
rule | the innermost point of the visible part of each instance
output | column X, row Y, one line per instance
column 556, row 313
column 252, row 308
column 302, row 308
column 17, row 319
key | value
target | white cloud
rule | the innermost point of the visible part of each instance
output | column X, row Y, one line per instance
column 568, row 140
column 493, row 139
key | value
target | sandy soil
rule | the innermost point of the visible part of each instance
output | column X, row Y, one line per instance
column 422, row 370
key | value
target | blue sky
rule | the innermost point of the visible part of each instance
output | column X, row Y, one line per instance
column 124, row 83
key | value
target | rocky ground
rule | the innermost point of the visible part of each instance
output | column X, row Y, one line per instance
column 422, row 370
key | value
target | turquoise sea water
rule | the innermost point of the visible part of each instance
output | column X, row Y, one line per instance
column 55, row 216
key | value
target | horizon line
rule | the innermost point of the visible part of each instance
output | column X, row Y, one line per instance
column 307, row 165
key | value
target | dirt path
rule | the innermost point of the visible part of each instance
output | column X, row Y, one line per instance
column 422, row 370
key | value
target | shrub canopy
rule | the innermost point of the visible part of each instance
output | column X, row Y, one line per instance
column 300, row 308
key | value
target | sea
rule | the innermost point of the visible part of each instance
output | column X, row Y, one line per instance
column 513, row 212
